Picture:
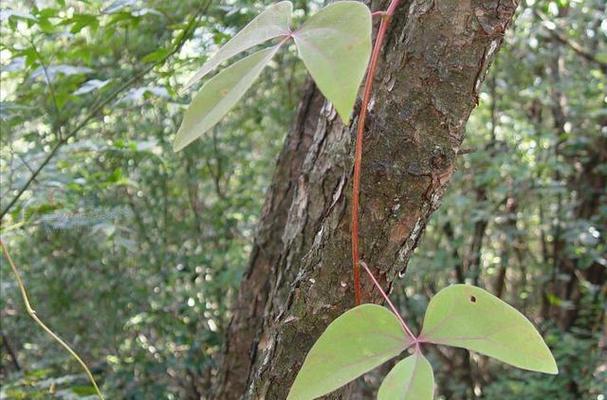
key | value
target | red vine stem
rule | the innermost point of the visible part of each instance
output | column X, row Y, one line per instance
column 381, row 33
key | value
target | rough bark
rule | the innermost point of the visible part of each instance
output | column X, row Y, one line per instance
column 241, row 346
column 299, row 276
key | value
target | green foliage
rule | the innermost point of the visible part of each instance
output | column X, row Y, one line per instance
column 356, row 342
column 130, row 251
column 42, row 384
column 335, row 45
column 133, row 253
column 410, row 379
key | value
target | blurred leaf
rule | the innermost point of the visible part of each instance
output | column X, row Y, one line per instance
column 90, row 86
column 117, row 6
column 156, row 55
column 81, row 21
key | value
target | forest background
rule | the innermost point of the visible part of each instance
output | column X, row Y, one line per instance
column 134, row 253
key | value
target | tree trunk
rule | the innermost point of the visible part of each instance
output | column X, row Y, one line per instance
column 299, row 276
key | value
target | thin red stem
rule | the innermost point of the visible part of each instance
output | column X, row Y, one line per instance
column 358, row 150
column 390, row 304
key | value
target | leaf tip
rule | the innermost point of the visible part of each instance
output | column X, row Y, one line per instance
column 345, row 110
column 176, row 149
column 187, row 86
column 345, row 119
column 179, row 144
column 552, row 368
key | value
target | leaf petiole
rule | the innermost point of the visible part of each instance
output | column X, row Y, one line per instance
column 408, row 331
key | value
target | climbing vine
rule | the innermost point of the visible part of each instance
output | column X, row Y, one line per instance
column 335, row 46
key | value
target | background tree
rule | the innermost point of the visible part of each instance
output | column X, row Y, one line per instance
column 134, row 253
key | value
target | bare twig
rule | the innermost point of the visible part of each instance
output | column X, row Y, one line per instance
column 32, row 313
column 47, row 77
column 11, row 352
column 579, row 49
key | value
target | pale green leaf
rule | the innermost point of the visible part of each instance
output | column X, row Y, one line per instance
column 469, row 317
column 272, row 22
column 335, row 45
column 356, row 342
column 219, row 95
column 410, row 379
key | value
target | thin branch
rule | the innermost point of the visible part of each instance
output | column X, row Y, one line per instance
column 9, row 349
column 23, row 160
column 381, row 33
column 99, row 106
column 32, row 314
column 573, row 45
column 47, row 77
column 579, row 49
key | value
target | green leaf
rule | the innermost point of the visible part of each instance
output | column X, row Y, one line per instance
column 273, row 22
column 81, row 21
column 356, row 342
column 335, row 45
column 410, row 379
column 219, row 95
column 156, row 55
column 469, row 317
